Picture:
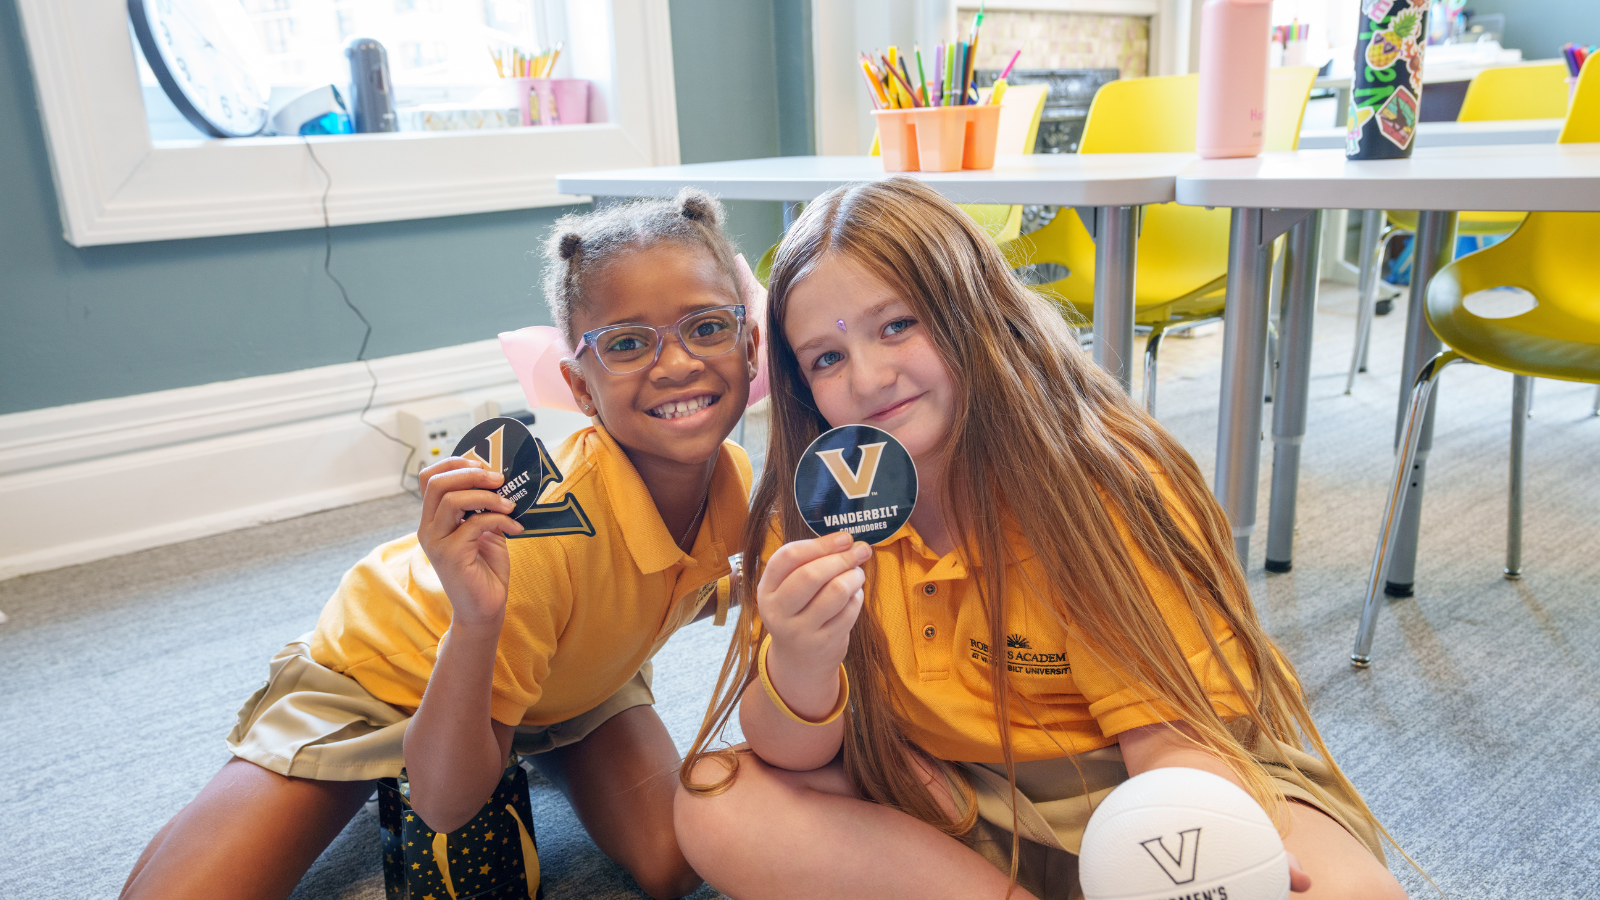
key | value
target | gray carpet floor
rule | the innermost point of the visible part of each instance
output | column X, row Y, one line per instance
column 1474, row 736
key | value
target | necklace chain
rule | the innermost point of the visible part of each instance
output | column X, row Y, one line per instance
column 696, row 516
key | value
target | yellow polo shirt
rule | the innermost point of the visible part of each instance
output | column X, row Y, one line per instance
column 583, row 612
column 1065, row 700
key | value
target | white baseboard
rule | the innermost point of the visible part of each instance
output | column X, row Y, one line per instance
column 99, row 479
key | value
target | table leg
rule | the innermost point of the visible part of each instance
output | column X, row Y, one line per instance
column 1116, row 235
column 1433, row 249
column 1292, row 391
column 1244, row 351
column 1366, row 291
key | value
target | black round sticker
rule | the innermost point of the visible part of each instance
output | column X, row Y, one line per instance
column 859, row 479
column 507, row 445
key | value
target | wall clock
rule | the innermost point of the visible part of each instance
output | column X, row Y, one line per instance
column 200, row 53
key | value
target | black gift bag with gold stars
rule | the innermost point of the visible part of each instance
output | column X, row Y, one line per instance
column 492, row 857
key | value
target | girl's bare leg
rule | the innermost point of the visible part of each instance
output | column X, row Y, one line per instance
column 620, row 781
column 250, row 835
column 807, row 835
column 1339, row 865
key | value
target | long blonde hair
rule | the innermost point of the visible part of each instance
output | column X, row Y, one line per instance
column 1042, row 438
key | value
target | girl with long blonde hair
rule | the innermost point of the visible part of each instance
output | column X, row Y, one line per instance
column 1064, row 609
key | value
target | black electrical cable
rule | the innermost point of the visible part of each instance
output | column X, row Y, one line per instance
column 361, row 355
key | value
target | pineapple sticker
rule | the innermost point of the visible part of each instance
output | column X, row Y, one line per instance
column 1400, row 38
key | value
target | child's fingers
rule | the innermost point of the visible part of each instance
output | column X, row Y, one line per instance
column 487, row 523
column 845, row 618
column 463, row 478
column 826, row 602
column 452, row 509
column 795, row 554
column 804, row 584
column 449, row 463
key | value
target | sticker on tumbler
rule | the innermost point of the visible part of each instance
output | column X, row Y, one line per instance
column 1397, row 119
column 858, row 479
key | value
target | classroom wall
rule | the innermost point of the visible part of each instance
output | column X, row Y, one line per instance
column 80, row 324
column 1540, row 29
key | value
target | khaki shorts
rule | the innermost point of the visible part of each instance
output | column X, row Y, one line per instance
column 1052, row 810
column 309, row 721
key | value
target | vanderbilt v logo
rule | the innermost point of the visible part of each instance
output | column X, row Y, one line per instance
column 496, row 446
column 547, row 519
column 1180, row 867
column 855, row 484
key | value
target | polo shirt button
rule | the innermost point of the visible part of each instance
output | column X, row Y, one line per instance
column 929, row 589
column 928, row 632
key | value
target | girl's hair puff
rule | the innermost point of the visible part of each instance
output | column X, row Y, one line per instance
column 582, row 245
column 1045, row 444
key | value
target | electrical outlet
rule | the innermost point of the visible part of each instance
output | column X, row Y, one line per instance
column 433, row 428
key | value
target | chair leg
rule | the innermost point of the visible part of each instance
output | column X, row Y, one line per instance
column 1531, row 383
column 1521, row 395
column 1373, row 237
column 1405, row 459
column 1151, row 348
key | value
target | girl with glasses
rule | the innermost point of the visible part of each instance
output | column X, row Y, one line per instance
column 1063, row 610
column 478, row 636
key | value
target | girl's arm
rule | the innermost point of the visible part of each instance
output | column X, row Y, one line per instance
column 809, row 597
column 454, row 752
column 1177, row 744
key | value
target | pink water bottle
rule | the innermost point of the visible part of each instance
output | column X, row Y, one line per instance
column 1234, row 39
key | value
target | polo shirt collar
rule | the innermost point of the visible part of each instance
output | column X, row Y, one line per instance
column 655, row 549
column 962, row 557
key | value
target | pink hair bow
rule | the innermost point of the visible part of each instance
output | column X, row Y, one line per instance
column 536, row 352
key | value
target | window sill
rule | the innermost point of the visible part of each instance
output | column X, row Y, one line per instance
column 116, row 185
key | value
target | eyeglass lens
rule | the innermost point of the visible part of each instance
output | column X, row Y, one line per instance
column 629, row 348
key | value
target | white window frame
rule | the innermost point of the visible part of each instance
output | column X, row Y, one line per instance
column 115, row 185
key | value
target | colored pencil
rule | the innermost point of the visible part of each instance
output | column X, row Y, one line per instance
column 1007, row 72
column 922, row 76
column 938, row 75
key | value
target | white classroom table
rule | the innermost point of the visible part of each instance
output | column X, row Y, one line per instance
column 1281, row 191
column 1107, row 189
column 1452, row 134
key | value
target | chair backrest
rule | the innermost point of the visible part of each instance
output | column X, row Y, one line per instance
column 1583, row 118
column 1020, row 111
column 1288, row 90
column 1157, row 115
column 1516, row 92
column 1143, row 115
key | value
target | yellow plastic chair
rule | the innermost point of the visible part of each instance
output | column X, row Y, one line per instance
column 1504, row 94
column 1021, row 109
column 1552, row 258
column 1181, row 269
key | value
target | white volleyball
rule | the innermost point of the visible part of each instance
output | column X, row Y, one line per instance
column 1181, row 834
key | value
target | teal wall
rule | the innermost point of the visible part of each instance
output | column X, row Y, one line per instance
column 1540, row 29
column 88, row 323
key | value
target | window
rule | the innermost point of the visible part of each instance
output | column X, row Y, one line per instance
column 116, row 182
column 439, row 50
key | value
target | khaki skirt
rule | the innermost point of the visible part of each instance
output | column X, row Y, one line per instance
column 309, row 721
column 1053, row 808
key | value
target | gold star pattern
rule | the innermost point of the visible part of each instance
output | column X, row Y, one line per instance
column 410, row 817
column 488, row 835
column 483, row 870
column 416, row 865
